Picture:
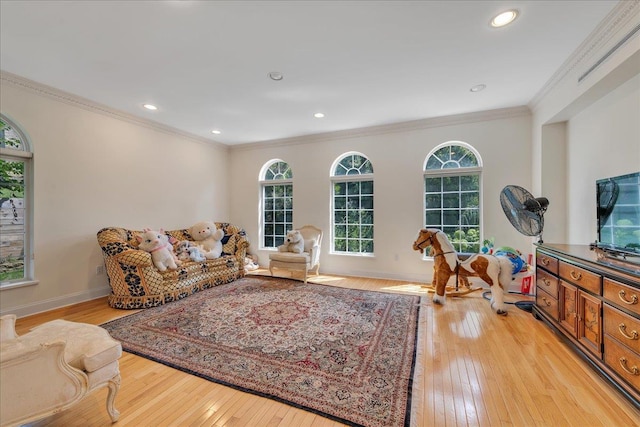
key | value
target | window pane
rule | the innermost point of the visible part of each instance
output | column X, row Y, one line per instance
column 451, row 200
column 432, row 185
column 340, row 202
column 340, row 231
column 353, row 202
column 366, row 187
column 367, row 246
column 353, row 245
column 340, row 245
column 353, row 188
column 268, row 241
column 433, row 201
column 340, row 188
column 450, row 217
column 12, row 220
column 367, row 217
column 432, row 219
column 469, row 200
column 367, row 202
column 340, row 217
column 451, row 183
column 470, row 183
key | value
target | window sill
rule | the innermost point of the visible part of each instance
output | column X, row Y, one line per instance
column 353, row 254
column 14, row 285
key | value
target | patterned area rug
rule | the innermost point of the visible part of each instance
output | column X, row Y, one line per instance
column 342, row 353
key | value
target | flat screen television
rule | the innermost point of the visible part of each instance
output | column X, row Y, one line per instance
column 618, row 215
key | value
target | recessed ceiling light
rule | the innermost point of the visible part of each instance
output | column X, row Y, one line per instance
column 150, row 107
column 318, row 115
column 504, row 18
column 478, row 88
column 276, row 75
column 216, row 132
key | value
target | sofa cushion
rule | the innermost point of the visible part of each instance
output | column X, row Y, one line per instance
column 88, row 347
column 302, row 258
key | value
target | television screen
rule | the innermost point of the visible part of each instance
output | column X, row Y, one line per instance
column 618, row 213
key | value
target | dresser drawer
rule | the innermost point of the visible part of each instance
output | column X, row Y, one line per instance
column 622, row 327
column 622, row 295
column 547, row 303
column 547, row 262
column 547, row 282
column 581, row 277
column 622, row 360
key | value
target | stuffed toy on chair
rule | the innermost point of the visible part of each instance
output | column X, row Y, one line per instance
column 209, row 238
column 157, row 244
column 182, row 250
column 294, row 242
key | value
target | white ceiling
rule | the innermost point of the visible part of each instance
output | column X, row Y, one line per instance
column 362, row 63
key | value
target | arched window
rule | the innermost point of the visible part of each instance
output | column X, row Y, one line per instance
column 452, row 188
column 15, row 205
column 276, row 219
column 352, row 196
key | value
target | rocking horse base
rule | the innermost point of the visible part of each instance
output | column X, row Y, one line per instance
column 451, row 291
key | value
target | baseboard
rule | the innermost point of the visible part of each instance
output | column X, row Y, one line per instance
column 54, row 303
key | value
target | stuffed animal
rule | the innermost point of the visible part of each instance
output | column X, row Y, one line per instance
column 157, row 244
column 195, row 254
column 294, row 242
column 182, row 250
column 250, row 264
column 209, row 238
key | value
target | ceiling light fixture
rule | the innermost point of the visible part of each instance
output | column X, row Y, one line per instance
column 216, row 132
column 318, row 115
column 150, row 107
column 276, row 75
column 504, row 18
column 478, row 88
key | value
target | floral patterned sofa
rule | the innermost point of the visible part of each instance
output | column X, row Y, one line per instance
column 136, row 283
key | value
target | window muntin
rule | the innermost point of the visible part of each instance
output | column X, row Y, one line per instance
column 277, row 203
column 15, row 238
column 452, row 194
column 352, row 196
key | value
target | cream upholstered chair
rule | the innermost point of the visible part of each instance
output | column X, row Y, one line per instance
column 54, row 366
column 307, row 261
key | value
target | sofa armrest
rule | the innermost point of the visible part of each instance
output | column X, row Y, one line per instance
column 36, row 380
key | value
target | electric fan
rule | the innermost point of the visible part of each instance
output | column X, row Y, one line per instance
column 525, row 212
column 607, row 195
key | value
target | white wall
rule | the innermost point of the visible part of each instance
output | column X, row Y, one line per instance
column 397, row 155
column 602, row 141
column 93, row 170
column 586, row 126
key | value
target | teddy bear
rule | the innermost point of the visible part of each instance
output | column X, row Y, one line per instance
column 157, row 244
column 208, row 237
column 294, row 242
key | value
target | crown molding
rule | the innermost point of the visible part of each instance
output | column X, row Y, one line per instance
column 453, row 120
column 624, row 14
column 86, row 104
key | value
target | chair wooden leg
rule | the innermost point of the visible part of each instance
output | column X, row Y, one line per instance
column 114, row 386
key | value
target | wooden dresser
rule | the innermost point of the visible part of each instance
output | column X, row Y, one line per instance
column 595, row 308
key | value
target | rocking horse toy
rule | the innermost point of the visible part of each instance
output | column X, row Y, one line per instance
column 494, row 270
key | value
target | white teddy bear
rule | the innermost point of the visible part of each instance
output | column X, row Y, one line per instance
column 157, row 244
column 209, row 238
column 294, row 242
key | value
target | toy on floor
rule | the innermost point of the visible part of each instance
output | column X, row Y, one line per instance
column 494, row 270
column 157, row 244
column 250, row 263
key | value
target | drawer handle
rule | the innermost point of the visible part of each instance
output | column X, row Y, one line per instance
column 623, row 293
column 544, row 261
column 575, row 276
column 546, row 281
column 633, row 371
column 547, row 303
column 623, row 330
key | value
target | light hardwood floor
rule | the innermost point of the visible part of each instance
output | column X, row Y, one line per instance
column 473, row 368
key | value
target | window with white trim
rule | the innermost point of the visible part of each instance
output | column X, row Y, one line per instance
column 352, row 205
column 15, row 205
column 452, row 173
column 277, row 203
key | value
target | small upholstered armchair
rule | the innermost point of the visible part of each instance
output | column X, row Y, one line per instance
column 307, row 261
column 54, row 366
